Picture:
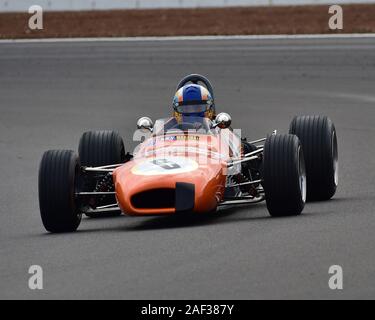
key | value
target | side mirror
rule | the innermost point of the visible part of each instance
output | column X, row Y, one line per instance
column 145, row 123
column 223, row 120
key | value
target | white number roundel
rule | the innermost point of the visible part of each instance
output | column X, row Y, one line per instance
column 161, row 166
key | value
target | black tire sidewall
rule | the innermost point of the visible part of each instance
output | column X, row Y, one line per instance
column 317, row 135
column 100, row 148
column 281, row 175
column 57, row 185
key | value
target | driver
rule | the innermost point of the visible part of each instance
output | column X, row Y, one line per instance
column 193, row 100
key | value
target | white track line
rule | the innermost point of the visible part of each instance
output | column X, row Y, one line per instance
column 194, row 38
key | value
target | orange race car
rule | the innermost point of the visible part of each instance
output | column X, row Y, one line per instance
column 191, row 162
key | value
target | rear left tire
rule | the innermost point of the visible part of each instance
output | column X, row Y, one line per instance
column 319, row 143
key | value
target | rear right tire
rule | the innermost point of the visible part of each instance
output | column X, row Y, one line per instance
column 284, row 177
column 100, row 148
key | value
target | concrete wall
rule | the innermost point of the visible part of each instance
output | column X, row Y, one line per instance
column 64, row 5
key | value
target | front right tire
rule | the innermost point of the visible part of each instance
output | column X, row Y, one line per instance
column 58, row 177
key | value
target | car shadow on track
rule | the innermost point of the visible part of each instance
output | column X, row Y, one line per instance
column 182, row 220
column 225, row 215
column 189, row 220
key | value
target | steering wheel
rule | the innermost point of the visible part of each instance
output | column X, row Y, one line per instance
column 195, row 79
column 187, row 125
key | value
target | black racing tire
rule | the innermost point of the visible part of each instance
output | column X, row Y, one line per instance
column 284, row 177
column 319, row 143
column 58, row 175
column 100, row 148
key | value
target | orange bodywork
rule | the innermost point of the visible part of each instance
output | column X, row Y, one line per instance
column 161, row 162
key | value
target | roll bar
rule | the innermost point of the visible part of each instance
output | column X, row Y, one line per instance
column 195, row 79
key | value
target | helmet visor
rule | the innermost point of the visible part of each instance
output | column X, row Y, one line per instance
column 192, row 108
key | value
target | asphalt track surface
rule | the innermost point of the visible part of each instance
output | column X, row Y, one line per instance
column 51, row 93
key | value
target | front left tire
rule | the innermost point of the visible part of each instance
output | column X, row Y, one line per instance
column 284, row 176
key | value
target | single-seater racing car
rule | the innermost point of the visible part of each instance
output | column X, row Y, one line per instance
column 191, row 162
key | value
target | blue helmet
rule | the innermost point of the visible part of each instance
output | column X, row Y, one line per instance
column 194, row 100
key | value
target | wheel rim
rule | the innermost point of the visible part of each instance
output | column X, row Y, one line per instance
column 302, row 174
column 335, row 159
column 76, row 189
